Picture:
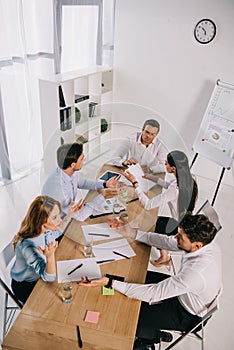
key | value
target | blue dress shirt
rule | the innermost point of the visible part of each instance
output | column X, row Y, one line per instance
column 30, row 264
column 64, row 189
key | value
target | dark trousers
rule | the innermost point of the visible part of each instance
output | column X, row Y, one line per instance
column 23, row 289
column 166, row 225
column 168, row 314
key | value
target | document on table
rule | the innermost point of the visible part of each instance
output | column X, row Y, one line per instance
column 137, row 171
column 116, row 250
column 99, row 232
column 107, row 207
column 75, row 269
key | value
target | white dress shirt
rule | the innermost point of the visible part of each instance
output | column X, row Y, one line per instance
column 196, row 284
column 168, row 197
column 154, row 156
column 63, row 188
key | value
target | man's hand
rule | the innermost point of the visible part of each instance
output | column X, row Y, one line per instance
column 121, row 227
column 113, row 182
column 129, row 176
column 75, row 207
column 94, row 283
column 110, row 192
column 130, row 161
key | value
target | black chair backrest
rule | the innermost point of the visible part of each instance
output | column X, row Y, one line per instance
column 7, row 290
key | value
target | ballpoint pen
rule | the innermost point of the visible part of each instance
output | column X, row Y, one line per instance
column 103, row 261
column 132, row 200
column 77, row 267
column 120, row 254
column 98, row 234
column 80, row 343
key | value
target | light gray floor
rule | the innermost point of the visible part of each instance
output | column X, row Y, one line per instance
column 15, row 198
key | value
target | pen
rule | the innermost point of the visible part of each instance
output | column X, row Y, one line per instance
column 102, row 261
column 98, row 234
column 132, row 200
column 80, row 344
column 124, row 256
column 77, row 267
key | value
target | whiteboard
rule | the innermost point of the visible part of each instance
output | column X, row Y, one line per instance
column 215, row 138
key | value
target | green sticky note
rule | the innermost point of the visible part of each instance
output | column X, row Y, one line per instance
column 107, row 291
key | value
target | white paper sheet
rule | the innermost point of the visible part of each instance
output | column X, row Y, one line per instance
column 89, row 268
column 137, row 171
column 99, row 229
column 105, row 250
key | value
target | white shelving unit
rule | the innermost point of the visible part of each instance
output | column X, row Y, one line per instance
column 80, row 89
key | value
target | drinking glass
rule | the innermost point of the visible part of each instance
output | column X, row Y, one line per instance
column 66, row 291
column 116, row 210
column 123, row 193
column 88, row 248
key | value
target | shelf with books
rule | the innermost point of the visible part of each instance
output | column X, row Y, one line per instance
column 76, row 106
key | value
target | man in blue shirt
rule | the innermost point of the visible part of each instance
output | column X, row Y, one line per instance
column 65, row 181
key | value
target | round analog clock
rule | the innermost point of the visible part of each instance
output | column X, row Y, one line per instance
column 205, row 31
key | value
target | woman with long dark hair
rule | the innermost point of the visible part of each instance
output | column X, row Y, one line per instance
column 179, row 195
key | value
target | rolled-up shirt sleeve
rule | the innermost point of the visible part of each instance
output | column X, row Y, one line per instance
column 161, row 157
column 170, row 287
column 158, row 240
column 89, row 184
column 168, row 195
column 120, row 154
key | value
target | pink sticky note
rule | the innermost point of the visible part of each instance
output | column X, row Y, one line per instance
column 134, row 224
column 92, row 316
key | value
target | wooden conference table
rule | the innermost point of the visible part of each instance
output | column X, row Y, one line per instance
column 45, row 322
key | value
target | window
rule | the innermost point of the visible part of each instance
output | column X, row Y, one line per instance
column 39, row 38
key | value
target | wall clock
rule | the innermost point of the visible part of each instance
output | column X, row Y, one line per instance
column 205, row 31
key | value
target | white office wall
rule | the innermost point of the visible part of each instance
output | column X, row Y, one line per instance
column 159, row 65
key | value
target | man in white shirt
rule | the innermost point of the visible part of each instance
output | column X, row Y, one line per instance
column 144, row 148
column 183, row 298
column 64, row 182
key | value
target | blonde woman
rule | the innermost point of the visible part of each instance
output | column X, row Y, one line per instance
column 35, row 244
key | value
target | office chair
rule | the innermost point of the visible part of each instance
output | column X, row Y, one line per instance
column 211, row 309
column 211, row 213
column 6, row 259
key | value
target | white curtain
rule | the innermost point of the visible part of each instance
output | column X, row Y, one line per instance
column 26, row 53
column 29, row 50
column 79, row 37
